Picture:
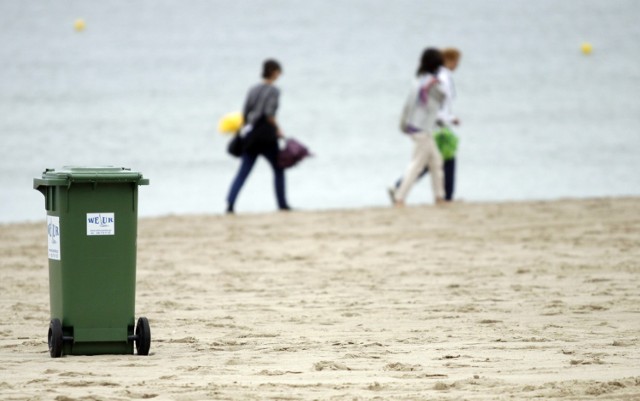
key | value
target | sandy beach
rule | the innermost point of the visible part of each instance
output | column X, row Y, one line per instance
column 474, row 301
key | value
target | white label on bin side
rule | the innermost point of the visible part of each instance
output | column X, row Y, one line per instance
column 101, row 224
column 53, row 234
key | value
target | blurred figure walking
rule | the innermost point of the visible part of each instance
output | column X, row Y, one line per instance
column 419, row 121
column 260, row 135
column 451, row 58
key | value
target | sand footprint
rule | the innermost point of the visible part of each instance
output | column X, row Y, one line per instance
column 402, row 367
column 330, row 365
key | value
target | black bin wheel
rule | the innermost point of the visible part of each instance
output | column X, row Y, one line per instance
column 143, row 336
column 55, row 338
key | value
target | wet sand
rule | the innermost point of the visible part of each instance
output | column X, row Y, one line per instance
column 476, row 301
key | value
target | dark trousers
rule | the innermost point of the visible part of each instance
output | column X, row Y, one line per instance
column 449, row 168
column 246, row 165
column 449, row 178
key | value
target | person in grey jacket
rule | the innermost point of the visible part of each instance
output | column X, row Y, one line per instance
column 261, row 133
column 419, row 121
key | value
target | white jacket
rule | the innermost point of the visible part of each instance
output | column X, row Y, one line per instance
column 421, row 110
column 446, row 79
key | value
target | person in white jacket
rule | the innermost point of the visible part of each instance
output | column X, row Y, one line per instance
column 451, row 58
column 419, row 121
column 450, row 61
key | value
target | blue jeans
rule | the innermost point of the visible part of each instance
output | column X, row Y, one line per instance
column 246, row 165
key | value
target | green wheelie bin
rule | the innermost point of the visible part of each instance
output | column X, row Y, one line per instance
column 92, row 221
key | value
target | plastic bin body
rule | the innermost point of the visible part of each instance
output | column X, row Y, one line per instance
column 92, row 228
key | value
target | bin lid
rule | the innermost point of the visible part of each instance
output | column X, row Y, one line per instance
column 75, row 174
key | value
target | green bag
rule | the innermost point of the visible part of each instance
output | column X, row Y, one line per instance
column 447, row 142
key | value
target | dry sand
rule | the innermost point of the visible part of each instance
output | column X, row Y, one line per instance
column 470, row 301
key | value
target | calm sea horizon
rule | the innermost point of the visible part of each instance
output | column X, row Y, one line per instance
column 144, row 85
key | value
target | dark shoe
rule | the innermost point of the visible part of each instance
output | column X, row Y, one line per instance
column 392, row 194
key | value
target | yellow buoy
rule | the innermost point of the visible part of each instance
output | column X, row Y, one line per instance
column 230, row 123
column 79, row 25
column 586, row 48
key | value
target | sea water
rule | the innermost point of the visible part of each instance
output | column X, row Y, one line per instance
column 145, row 83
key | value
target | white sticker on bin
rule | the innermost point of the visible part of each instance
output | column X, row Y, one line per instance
column 53, row 234
column 101, row 224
